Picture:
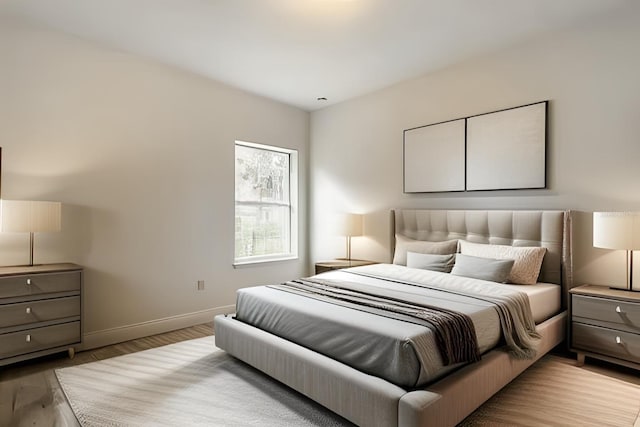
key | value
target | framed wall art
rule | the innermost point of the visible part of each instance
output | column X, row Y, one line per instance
column 434, row 158
column 507, row 149
column 501, row 150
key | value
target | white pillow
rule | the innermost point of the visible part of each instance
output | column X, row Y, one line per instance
column 527, row 259
column 404, row 244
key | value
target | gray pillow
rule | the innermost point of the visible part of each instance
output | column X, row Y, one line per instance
column 441, row 263
column 494, row 270
column 405, row 244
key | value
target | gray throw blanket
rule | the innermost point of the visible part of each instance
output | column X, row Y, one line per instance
column 454, row 332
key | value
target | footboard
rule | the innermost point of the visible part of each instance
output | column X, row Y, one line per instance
column 370, row 401
column 463, row 391
column 362, row 399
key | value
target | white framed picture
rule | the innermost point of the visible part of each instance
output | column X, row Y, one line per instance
column 434, row 157
column 507, row 149
column 500, row 150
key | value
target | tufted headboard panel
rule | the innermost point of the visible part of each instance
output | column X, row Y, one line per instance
column 549, row 229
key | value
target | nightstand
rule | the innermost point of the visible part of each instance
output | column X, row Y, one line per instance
column 605, row 324
column 338, row 264
column 40, row 311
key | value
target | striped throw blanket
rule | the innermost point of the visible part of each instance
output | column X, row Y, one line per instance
column 454, row 332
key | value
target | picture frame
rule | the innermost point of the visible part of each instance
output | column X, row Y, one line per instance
column 506, row 150
column 434, row 157
column 499, row 150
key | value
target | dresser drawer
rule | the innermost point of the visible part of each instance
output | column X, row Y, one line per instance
column 32, row 340
column 26, row 313
column 605, row 341
column 607, row 310
column 35, row 284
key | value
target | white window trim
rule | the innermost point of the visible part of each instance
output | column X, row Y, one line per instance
column 293, row 196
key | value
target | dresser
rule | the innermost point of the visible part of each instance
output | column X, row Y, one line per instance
column 605, row 324
column 40, row 311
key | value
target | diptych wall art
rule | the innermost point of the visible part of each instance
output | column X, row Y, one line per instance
column 501, row 150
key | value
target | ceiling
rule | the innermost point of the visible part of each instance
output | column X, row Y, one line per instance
column 296, row 51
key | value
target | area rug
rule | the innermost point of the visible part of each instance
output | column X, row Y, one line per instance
column 190, row 383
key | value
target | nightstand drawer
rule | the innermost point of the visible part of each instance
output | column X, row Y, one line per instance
column 34, row 284
column 32, row 340
column 38, row 311
column 607, row 310
column 605, row 341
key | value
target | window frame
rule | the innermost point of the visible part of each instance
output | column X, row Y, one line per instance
column 293, row 207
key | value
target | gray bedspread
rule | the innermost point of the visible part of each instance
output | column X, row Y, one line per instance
column 401, row 352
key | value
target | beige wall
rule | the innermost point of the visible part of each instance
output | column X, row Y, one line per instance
column 589, row 75
column 142, row 157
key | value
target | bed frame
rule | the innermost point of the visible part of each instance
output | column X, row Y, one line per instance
column 371, row 401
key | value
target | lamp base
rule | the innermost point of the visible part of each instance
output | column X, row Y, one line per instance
column 349, row 250
column 630, row 271
column 31, row 249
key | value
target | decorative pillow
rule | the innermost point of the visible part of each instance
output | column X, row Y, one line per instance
column 404, row 244
column 493, row 270
column 527, row 259
column 441, row 263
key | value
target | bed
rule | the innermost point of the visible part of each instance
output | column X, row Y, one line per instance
column 402, row 390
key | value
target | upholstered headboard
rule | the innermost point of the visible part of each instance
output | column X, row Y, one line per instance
column 549, row 229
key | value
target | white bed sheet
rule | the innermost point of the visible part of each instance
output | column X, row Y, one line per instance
column 544, row 298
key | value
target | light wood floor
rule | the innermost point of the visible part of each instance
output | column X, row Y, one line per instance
column 556, row 392
column 30, row 394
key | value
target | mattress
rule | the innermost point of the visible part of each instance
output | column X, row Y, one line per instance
column 401, row 352
column 544, row 298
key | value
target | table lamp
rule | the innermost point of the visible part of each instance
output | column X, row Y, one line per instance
column 351, row 226
column 22, row 216
column 618, row 230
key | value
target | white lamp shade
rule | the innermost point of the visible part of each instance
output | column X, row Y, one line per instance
column 616, row 230
column 350, row 225
column 23, row 216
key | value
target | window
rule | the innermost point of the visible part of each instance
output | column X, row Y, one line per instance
column 266, row 222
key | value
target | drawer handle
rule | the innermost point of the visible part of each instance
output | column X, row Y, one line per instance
column 618, row 340
column 28, row 338
column 28, row 310
column 618, row 309
column 28, row 281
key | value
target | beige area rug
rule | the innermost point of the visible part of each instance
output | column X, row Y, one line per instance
column 190, row 383
column 556, row 392
column 193, row 383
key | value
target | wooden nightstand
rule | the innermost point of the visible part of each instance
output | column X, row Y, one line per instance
column 605, row 324
column 337, row 264
column 40, row 311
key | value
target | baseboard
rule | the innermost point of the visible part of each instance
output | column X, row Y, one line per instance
column 144, row 329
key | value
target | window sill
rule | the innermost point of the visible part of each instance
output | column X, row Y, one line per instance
column 257, row 262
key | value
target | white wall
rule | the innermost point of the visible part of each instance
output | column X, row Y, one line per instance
column 142, row 157
column 589, row 75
